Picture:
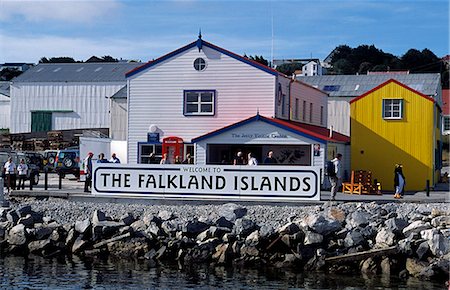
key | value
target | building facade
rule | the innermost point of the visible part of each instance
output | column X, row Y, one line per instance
column 201, row 88
column 65, row 96
column 395, row 124
column 344, row 88
column 5, row 105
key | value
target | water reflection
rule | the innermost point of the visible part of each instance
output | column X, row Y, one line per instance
column 35, row 272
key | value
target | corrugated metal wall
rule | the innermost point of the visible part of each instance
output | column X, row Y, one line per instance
column 156, row 96
column 339, row 114
column 89, row 103
column 118, row 129
column 4, row 112
column 378, row 144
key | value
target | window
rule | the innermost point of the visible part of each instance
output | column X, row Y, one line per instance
column 447, row 123
column 283, row 105
column 321, row 115
column 392, row 108
column 310, row 112
column 296, row 109
column 198, row 103
column 331, row 88
column 199, row 64
column 304, row 110
column 146, row 150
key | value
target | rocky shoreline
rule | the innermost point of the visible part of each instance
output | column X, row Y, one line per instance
column 405, row 239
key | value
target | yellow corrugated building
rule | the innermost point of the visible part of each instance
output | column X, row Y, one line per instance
column 392, row 124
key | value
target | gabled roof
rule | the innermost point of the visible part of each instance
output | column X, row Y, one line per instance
column 120, row 94
column 317, row 133
column 396, row 82
column 199, row 43
column 446, row 102
column 356, row 85
column 77, row 72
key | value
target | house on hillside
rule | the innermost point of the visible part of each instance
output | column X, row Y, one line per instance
column 65, row 96
column 343, row 88
column 207, row 101
column 396, row 124
column 20, row 66
column 5, row 105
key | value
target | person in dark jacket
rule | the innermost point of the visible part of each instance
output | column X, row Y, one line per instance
column 270, row 159
column 399, row 181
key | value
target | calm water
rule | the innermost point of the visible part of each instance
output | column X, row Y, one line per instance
column 64, row 273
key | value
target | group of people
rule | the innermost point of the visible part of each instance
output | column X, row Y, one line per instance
column 12, row 173
column 188, row 160
column 336, row 178
column 251, row 160
column 87, row 165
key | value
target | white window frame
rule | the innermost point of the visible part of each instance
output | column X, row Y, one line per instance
column 199, row 103
column 392, row 106
column 446, row 123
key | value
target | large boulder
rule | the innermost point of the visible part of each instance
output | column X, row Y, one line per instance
column 17, row 235
column 243, row 227
column 82, row 226
column 357, row 219
column 232, row 212
column 39, row 246
column 353, row 239
column 419, row 269
column 312, row 238
column 438, row 244
column 194, row 227
column 395, row 225
column 322, row 225
column 27, row 221
column 385, row 238
column 441, row 221
column 165, row 215
column 416, row 227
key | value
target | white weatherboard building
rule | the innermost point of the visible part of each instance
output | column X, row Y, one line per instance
column 5, row 105
column 65, row 96
column 210, row 102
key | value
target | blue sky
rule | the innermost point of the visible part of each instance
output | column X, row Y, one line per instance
column 145, row 30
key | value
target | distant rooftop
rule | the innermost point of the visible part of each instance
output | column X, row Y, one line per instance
column 356, row 85
column 4, row 88
column 77, row 72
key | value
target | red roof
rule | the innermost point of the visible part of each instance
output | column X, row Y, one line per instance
column 320, row 132
column 446, row 102
column 311, row 131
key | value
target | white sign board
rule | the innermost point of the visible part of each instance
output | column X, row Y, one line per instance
column 275, row 183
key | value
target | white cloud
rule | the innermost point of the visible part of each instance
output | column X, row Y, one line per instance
column 75, row 11
column 33, row 48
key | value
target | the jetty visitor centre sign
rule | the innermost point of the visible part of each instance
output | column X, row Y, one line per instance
column 275, row 183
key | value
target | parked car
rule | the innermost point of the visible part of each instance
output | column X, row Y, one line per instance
column 33, row 169
column 35, row 158
column 49, row 159
column 67, row 162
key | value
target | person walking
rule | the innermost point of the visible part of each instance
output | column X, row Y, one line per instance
column 114, row 159
column 22, row 169
column 399, row 181
column 336, row 178
column 9, row 168
column 252, row 160
column 88, row 171
column 270, row 159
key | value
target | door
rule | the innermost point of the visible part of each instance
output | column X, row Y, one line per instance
column 173, row 146
column 41, row 121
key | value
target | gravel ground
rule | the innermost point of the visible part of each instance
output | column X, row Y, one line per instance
column 64, row 211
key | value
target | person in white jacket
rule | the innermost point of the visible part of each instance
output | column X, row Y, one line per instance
column 22, row 169
column 252, row 160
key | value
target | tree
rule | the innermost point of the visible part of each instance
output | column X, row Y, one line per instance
column 343, row 67
column 259, row 59
column 106, row 58
column 289, row 68
column 63, row 59
column 8, row 74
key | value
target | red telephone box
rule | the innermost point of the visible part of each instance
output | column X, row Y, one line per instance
column 173, row 146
